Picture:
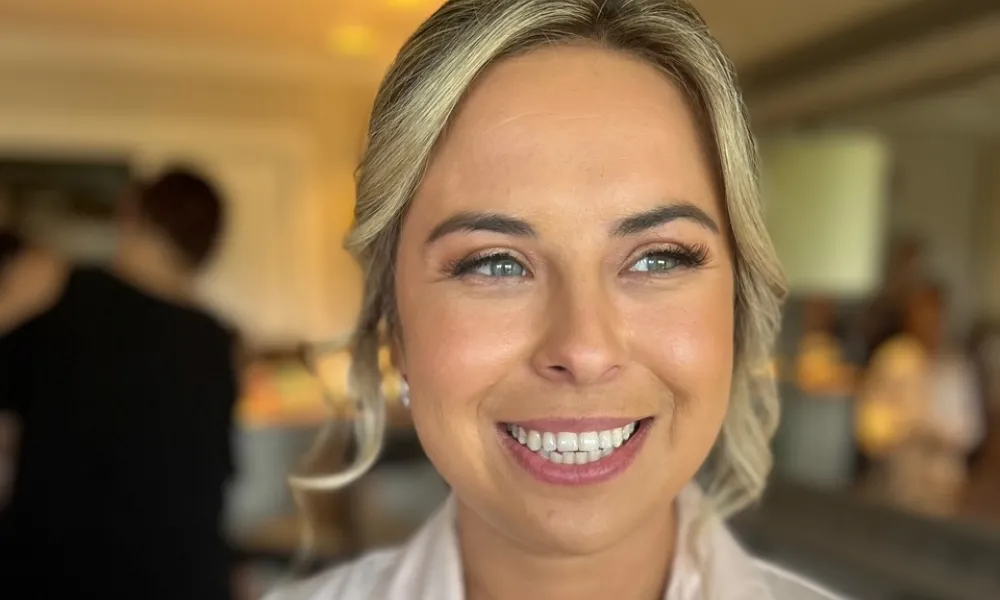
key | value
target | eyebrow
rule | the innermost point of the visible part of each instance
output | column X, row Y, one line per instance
column 661, row 215
column 474, row 221
column 632, row 225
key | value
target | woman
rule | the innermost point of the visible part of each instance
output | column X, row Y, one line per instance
column 558, row 221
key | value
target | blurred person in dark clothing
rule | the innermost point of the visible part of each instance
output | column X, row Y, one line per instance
column 10, row 242
column 10, row 248
column 124, row 391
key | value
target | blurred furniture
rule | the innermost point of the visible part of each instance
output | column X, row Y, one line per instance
column 297, row 416
column 815, row 439
column 870, row 552
column 814, row 444
column 384, row 507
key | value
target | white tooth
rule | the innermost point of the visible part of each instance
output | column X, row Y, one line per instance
column 588, row 441
column 522, row 435
column 534, row 441
column 631, row 428
column 626, row 434
column 566, row 442
column 616, row 437
column 575, row 458
column 605, row 439
column 512, row 429
column 549, row 442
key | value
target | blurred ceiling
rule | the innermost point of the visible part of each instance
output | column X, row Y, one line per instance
column 799, row 60
column 310, row 26
column 970, row 111
column 751, row 30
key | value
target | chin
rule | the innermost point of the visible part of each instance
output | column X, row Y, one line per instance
column 590, row 523
column 583, row 532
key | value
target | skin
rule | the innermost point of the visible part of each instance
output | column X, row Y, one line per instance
column 570, row 142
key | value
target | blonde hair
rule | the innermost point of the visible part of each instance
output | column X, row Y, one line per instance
column 422, row 91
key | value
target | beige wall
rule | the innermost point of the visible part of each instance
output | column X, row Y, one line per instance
column 934, row 196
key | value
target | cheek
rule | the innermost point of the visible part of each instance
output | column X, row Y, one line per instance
column 455, row 351
column 689, row 346
column 458, row 348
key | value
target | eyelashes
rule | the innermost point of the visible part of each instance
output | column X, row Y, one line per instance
column 497, row 264
column 670, row 258
column 656, row 261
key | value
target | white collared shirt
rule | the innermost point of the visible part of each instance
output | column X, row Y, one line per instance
column 428, row 567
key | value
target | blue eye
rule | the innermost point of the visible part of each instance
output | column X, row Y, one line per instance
column 498, row 266
column 670, row 259
column 657, row 262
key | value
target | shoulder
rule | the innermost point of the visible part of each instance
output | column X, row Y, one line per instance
column 711, row 557
column 355, row 580
column 32, row 283
column 222, row 337
column 786, row 585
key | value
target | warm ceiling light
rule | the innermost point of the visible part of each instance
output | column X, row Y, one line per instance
column 352, row 40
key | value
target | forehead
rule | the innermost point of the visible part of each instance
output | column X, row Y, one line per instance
column 576, row 119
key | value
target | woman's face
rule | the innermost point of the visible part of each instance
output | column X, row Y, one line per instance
column 564, row 270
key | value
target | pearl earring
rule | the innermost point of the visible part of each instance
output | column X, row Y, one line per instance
column 404, row 394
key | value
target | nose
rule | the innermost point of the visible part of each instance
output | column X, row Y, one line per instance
column 582, row 340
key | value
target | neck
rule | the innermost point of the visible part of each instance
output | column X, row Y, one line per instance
column 150, row 265
column 636, row 568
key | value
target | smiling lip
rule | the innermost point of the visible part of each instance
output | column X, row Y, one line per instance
column 575, row 424
column 600, row 471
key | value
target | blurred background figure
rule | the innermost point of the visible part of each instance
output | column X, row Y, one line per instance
column 10, row 251
column 122, row 390
column 920, row 412
column 10, row 245
column 904, row 273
